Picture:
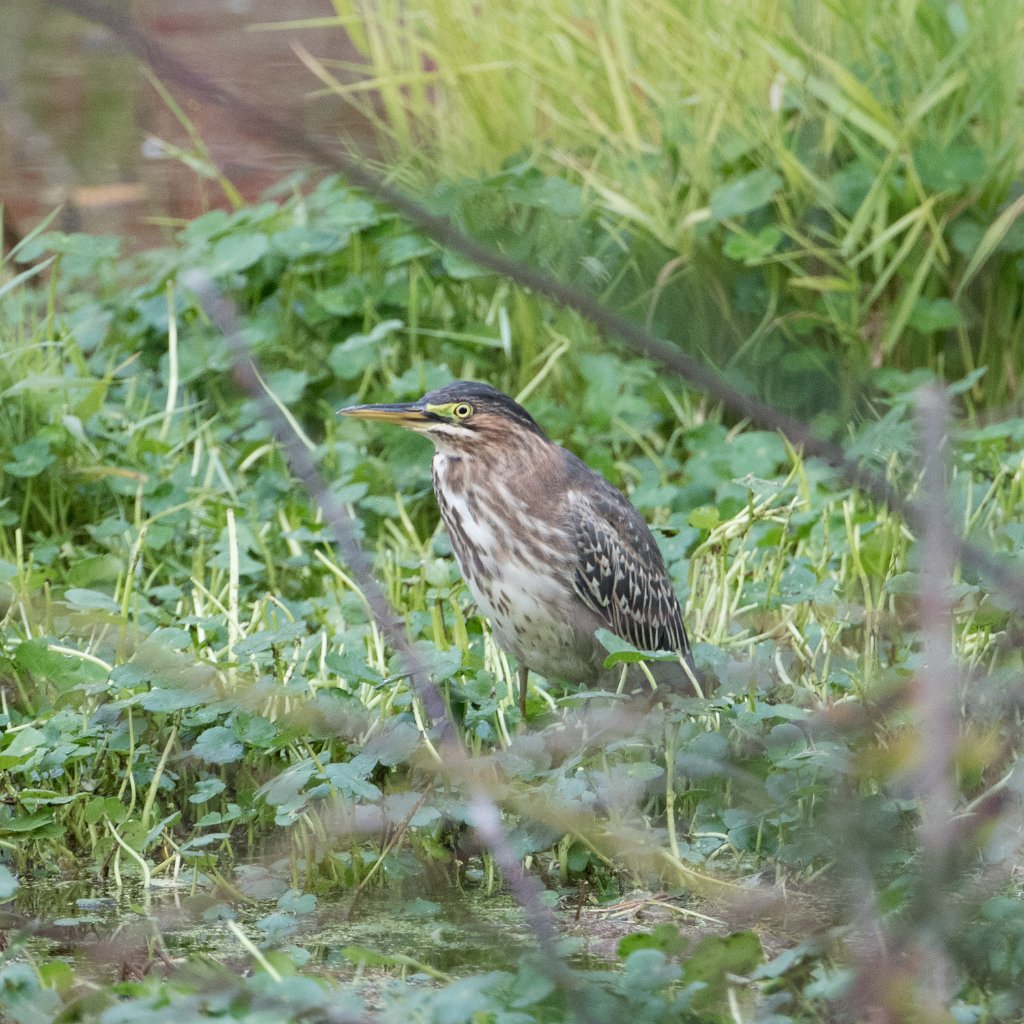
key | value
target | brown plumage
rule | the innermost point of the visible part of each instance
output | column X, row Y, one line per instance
column 550, row 550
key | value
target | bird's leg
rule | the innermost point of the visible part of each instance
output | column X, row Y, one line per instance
column 523, row 673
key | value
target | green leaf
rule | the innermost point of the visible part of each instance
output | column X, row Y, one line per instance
column 460, row 268
column 664, row 937
column 287, row 385
column 265, row 639
column 965, row 383
column 403, row 248
column 623, row 652
column 349, row 359
column 348, row 780
column 744, row 194
column 949, row 168
column 90, row 600
column 24, row 744
column 754, row 453
column 57, row 975
column 206, row 789
column 903, row 583
column 256, row 731
column 31, row 458
column 931, row 315
column 166, row 700
column 31, row 799
column 295, row 902
column 235, row 252
column 578, row 858
column 829, row 984
column 218, row 745
column 787, row 959
column 749, row 249
column 363, row 955
column 345, row 299
column 994, row 234
column 556, row 195
column 394, row 744
column 276, row 926
column 84, row 572
column 713, row 959
column 351, row 211
column 439, row 664
column 41, row 823
column 296, row 242
column 206, row 226
column 62, row 670
column 286, row 786
column 707, row 517
column 407, row 807
column 651, row 969
column 531, row 987
column 876, row 552
column 209, row 839
column 104, row 807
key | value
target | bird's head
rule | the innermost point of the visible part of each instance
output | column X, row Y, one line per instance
column 460, row 417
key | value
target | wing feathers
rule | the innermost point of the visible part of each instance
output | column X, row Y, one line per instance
column 621, row 575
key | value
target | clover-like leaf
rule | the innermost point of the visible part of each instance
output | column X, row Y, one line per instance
column 218, row 745
column 31, row 458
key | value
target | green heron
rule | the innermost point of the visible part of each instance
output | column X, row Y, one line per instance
column 551, row 551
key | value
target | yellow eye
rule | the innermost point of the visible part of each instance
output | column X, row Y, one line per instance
column 462, row 411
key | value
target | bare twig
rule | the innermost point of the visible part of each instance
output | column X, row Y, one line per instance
column 915, row 949
column 485, row 816
column 937, row 683
column 936, row 698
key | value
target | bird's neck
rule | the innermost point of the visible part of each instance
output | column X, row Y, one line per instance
column 466, row 468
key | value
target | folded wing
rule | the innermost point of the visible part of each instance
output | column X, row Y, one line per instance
column 620, row 573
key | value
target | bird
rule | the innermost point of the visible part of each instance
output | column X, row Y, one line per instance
column 550, row 550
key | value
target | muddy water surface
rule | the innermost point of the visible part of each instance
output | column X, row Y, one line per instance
column 81, row 126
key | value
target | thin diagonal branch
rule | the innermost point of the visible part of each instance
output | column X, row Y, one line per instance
column 937, row 687
column 259, row 122
column 485, row 816
column 936, row 697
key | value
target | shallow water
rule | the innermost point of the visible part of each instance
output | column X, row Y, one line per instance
column 110, row 931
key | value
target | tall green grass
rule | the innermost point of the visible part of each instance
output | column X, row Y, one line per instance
column 812, row 190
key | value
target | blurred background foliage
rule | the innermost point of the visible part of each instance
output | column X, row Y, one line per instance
column 808, row 191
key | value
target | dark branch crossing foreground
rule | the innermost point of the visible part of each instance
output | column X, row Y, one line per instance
column 290, row 135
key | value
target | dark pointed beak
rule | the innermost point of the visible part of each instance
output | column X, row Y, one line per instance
column 402, row 414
